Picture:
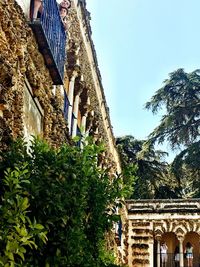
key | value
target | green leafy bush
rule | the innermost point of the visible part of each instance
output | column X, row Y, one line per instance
column 72, row 198
column 17, row 232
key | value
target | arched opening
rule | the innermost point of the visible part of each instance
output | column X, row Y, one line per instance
column 172, row 242
column 194, row 239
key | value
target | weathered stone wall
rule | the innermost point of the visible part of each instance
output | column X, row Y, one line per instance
column 20, row 58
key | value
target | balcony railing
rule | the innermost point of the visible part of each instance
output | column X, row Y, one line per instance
column 51, row 37
column 173, row 260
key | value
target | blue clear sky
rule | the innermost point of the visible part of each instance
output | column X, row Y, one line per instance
column 138, row 42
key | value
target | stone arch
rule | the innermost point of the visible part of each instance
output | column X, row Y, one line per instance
column 197, row 228
column 186, row 226
column 179, row 230
column 171, row 240
column 179, row 227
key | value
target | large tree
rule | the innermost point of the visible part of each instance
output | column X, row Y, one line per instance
column 180, row 99
column 180, row 126
column 152, row 171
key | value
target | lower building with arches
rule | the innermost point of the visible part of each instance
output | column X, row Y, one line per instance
column 151, row 223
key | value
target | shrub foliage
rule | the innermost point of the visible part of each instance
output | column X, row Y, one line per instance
column 62, row 200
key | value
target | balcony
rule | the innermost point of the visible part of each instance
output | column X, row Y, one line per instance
column 51, row 37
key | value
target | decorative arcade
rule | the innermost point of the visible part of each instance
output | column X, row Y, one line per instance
column 152, row 224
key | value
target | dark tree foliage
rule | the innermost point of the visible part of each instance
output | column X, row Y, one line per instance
column 152, row 171
column 186, row 168
column 180, row 126
column 180, row 99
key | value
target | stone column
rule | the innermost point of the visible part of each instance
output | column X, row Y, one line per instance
column 76, row 107
column 151, row 251
column 181, row 252
column 83, row 122
column 71, row 98
column 158, row 253
column 84, row 117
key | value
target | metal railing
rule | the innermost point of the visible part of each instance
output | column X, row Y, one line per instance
column 51, row 37
column 55, row 32
column 172, row 260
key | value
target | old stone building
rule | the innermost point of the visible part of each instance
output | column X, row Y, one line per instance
column 50, row 83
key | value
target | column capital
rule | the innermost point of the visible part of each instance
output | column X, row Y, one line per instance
column 180, row 239
column 78, row 91
column 158, row 238
column 74, row 72
column 82, row 83
column 86, row 109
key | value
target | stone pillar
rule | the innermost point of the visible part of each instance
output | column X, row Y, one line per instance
column 151, row 251
column 84, row 117
column 89, row 122
column 76, row 106
column 71, row 98
column 83, row 123
column 158, row 253
column 181, row 252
